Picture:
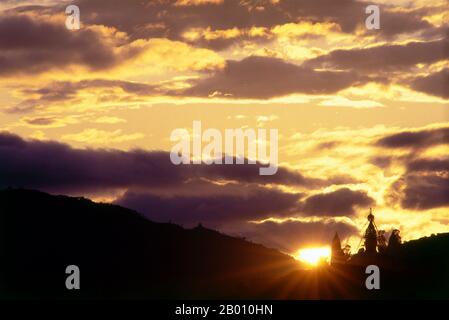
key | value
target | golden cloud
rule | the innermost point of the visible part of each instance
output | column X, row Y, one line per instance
column 101, row 137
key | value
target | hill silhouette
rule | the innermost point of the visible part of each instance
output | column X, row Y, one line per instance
column 123, row 255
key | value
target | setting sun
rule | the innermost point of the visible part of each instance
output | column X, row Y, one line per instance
column 314, row 255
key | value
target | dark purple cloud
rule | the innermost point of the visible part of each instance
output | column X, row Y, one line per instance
column 396, row 22
column 28, row 45
column 264, row 77
column 436, row 84
column 250, row 203
column 415, row 139
column 54, row 166
column 421, row 192
column 424, row 185
column 242, row 202
column 432, row 164
column 385, row 57
column 341, row 202
column 425, row 182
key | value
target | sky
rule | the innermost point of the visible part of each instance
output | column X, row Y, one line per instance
column 362, row 115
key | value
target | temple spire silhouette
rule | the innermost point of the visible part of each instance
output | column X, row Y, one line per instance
column 370, row 236
column 337, row 256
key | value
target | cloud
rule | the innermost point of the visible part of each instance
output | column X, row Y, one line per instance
column 196, row 2
column 424, row 180
column 10, row 4
column 28, row 46
column 95, row 136
column 423, row 138
column 304, row 30
column 265, row 77
column 395, row 22
column 421, row 191
column 40, row 121
column 253, row 77
column 422, row 165
column 31, row 44
column 382, row 161
column 53, row 166
column 178, row 16
column 221, row 39
column 159, row 56
column 424, row 184
column 211, row 209
column 214, row 195
column 171, row 19
column 436, row 84
column 341, row 202
column 48, row 121
column 326, row 145
column 62, row 90
column 384, row 57
column 66, row 91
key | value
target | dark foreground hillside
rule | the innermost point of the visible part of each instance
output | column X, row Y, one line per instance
column 122, row 255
